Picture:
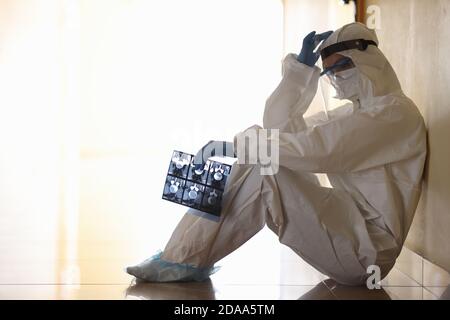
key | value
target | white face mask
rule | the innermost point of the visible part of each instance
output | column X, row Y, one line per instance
column 346, row 83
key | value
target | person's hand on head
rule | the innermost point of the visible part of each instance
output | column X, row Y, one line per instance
column 307, row 55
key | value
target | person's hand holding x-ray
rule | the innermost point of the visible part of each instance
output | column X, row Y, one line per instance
column 211, row 149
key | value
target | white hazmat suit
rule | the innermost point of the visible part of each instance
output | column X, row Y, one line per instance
column 373, row 152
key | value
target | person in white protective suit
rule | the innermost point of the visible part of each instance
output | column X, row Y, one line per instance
column 373, row 151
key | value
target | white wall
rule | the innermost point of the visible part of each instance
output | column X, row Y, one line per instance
column 415, row 37
column 159, row 75
column 83, row 81
column 30, row 145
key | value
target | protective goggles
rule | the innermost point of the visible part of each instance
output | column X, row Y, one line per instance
column 360, row 44
column 341, row 65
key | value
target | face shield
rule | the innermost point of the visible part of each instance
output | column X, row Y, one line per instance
column 340, row 80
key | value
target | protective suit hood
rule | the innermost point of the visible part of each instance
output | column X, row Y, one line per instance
column 377, row 77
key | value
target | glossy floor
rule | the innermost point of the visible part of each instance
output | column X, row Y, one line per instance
column 115, row 224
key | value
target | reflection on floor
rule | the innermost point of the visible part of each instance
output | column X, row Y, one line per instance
column 117, row 225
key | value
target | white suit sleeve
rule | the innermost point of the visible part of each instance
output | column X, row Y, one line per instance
column 363, row 140
column 286, row 105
